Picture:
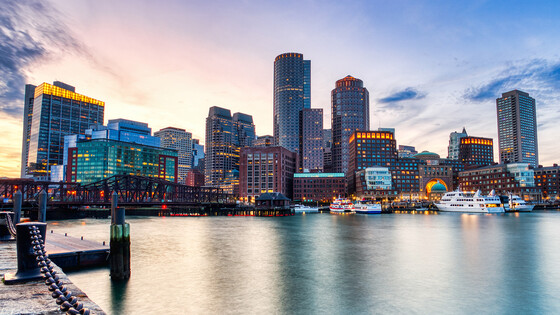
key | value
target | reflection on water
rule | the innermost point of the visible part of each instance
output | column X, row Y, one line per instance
column 321, row 263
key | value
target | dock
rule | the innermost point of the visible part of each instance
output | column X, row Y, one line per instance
column 33, row 297
column 69, row 252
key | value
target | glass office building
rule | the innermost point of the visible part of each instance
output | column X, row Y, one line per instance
column 57, row 111
column 96, row 159
column 292, row 93
column 517, row 128
column 180, row 140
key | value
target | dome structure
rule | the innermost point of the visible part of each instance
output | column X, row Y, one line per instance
column 438, row 188
column 427, row 155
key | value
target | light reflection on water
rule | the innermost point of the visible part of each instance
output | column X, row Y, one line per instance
column 321, row 263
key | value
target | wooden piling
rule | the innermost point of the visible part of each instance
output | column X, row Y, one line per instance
column 119, row 245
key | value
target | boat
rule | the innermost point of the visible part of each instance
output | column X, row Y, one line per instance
column 341, row 205
column 305, row 209
column 459, row 201
column 368, row 208
column 514, row 203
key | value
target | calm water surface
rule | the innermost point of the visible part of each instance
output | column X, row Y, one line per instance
column 332, row 264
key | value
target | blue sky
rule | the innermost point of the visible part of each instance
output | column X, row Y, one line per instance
column 431, row 67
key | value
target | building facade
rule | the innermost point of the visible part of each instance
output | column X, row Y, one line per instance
column 266, row 170
column 476, row 151
column 319, row 187
column 548, row 179
column 224, row 137
column 195, row 178
column 375, row 183
column 264, row 141
column 517, row 128
column 27, row 121
column 455, row 143
column 406, row 151
column 516, row 178
column 197, row 155
column 57, row 111
column 292, row 93
column 311, row 139
column 181, row 141
column 350, row 112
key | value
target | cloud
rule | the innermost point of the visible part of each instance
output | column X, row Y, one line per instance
column 406, row 94
column 27, row 29
column 537, row 75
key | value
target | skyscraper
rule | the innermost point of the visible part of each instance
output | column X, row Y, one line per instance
column 57, row 111
column 476, row 151
column 517, row 128
column 225, row 135
column 311, row 135
column 27, row 120
column 180, row 140
column 350, row 112
column 454, row 143
column 292, row 93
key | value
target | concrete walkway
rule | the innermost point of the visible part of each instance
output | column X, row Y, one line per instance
column 32, row 297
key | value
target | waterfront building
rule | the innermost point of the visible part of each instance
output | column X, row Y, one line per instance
column 350, row 112
column 406, row 151
column 434, row 169
column 375, row 183
column 476, row 151
column 53, row 112
column 455, row 143
column 517, row 128
column 319, row 187
column 224, row 137
column 195, row 178
column 27, row 120
column 266, row 170
column 180, row 140
column 370, row 149
column 548, row 179
column 197, row 155
column 292, row 93
column 123, row 147
column 264, row 141
column 311, row 139
column 516, row 178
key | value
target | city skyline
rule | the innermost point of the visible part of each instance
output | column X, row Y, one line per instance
column 189, row 57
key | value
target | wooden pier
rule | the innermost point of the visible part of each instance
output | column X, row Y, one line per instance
column 71, row 253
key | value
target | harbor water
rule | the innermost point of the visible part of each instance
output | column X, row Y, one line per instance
column 442, row 263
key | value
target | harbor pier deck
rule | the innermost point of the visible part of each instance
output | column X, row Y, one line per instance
column 33, row 297
column 71, row 253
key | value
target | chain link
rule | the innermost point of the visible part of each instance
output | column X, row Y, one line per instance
column 10, row 224
column 68, row 303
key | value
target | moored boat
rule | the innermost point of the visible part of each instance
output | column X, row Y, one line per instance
column 514, row 203
column 341, row 205
column 305, row 209
column 459, row 201
column 367, row 208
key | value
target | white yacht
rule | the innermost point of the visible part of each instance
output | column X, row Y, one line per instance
column 369, row 208
column 459, row 201
column 341, row 205
column 305, row 209
column 514, row 203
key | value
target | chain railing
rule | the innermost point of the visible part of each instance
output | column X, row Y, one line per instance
column 68, row 303
column 11, row 226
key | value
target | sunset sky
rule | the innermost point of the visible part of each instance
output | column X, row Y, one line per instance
column 431, row 67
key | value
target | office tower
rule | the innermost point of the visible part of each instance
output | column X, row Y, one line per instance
column 57, row 111
column 369, row 149
column 292, row 93
column 264, row 141
column 406, row 151
column 476, row 151
column 27, row 119
column 197, row 155
column 266, row 170
column 350, row 112
column 245, row 130
column 180, row 140
column 454, row 143
column 323, row 187
column 225, row 135
column 123, row 147
column 311, row 143
column 327, row 150
column 517, row 128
